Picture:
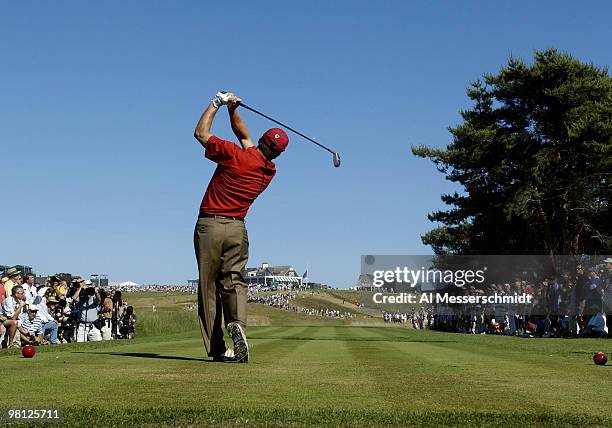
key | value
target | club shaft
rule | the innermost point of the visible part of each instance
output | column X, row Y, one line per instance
column 285, row 126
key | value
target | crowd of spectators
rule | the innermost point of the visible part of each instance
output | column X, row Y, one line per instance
column 326, row 312
column 571, row 304
column 60, row 312
column 277, row 300
column 419, row 319
column 157, row 288
column 284, row 300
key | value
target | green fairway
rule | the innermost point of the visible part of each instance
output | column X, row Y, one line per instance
column 320, row 375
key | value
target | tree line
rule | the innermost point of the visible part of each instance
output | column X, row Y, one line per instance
column 533, row 156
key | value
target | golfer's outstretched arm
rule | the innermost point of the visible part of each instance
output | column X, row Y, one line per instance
column 202, row 131
column 238, row 125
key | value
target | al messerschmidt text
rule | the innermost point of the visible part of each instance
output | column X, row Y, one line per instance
column 451, row 299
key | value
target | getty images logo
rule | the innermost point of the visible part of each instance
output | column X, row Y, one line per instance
column 410, row 276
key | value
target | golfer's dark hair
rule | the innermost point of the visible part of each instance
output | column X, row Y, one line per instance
column 266, row 150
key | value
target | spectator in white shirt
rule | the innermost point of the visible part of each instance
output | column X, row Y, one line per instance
column 87, row 298
column 30, row 289
column 49, row 325
column 11, row 309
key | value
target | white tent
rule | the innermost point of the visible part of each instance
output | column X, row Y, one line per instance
column 129, row 284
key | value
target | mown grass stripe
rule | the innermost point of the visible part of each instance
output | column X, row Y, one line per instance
column 278, row 416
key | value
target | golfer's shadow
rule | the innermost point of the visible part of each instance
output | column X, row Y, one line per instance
column 147, row 355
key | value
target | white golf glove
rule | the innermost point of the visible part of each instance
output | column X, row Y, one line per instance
column 221, row 98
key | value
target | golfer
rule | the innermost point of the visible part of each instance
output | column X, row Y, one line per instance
column 220, row 237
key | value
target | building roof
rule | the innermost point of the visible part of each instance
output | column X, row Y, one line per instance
column 273, row 271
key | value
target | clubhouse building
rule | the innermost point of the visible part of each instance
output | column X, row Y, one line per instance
column 274, row 276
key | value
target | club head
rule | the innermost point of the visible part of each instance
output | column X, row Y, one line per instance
column 336, row 159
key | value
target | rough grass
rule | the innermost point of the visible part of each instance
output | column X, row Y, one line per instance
column 353, row 296
column 171, row 317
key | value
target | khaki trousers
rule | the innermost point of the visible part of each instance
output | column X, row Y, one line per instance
column 222, row 251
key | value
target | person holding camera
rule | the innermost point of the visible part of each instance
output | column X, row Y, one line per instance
column 117, row 314
column 106, row 315
column 128, row 323
column 87, row 299
column 63, row 316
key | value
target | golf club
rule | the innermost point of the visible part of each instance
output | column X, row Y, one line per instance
column 334, row 154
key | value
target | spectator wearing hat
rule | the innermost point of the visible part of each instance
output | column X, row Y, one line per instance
column 52, row 305
column 14, row 278
column 45, row 311
column 220, row 237
column 30, row 326
column 11, row 309
column 106, row 315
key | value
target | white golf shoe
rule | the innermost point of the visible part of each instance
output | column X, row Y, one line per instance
column 241, row 346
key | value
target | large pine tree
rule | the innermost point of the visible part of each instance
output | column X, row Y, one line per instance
column 534, row 158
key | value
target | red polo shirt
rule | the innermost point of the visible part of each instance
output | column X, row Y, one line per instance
column 240, row 177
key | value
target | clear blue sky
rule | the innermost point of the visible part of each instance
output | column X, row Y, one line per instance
column 98, row 102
